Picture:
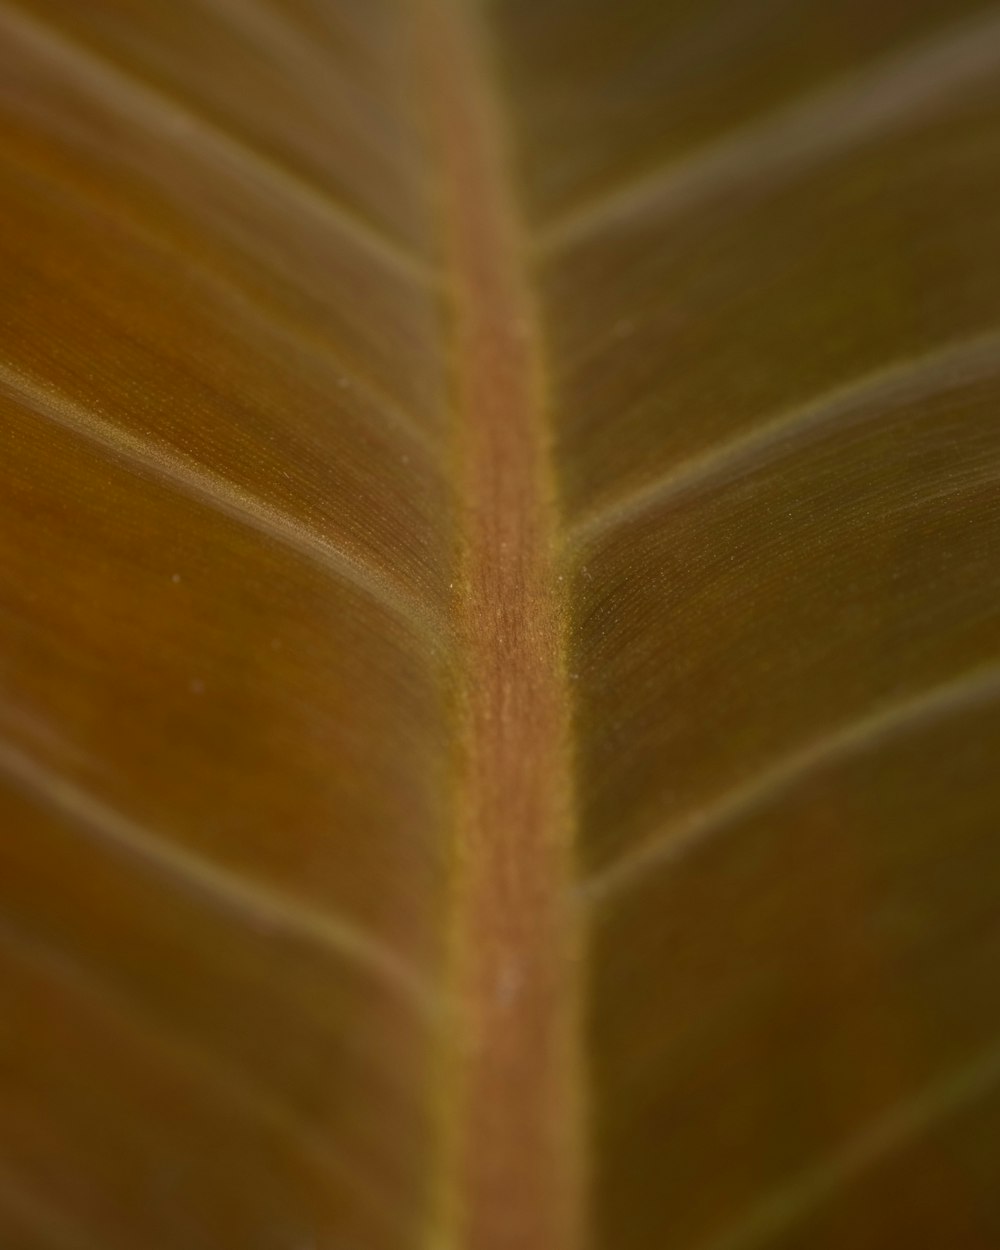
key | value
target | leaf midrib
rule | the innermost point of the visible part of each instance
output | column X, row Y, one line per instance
column 510, row 1175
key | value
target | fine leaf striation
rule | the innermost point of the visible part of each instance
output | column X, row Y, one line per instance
column 500, row 639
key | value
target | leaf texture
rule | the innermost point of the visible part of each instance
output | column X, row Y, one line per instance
column 226, row 545
column 500, row 636
column 778, row 433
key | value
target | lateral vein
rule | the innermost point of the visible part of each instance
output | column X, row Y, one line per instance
column 225, row 1081
column 166, row 116
column 888, row 96
column 954, row 364
column 213, row 491
column 878, row 1141
column 681, row 839
column 235, row 893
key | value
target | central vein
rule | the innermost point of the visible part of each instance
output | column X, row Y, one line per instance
column 514, row 1172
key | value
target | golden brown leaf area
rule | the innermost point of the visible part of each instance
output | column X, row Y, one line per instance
column 500, row 625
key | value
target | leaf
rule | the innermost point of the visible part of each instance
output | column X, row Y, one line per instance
column 499, row 639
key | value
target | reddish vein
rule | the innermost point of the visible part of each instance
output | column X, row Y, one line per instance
column 514, row 1173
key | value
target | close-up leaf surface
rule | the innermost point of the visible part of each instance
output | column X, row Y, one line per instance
column 500, row 628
